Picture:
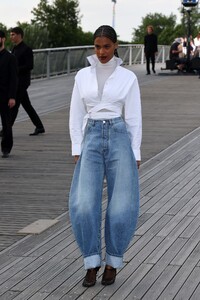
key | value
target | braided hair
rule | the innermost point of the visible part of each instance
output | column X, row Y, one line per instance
column 108, row 32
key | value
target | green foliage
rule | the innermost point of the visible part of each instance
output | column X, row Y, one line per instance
column 166, row 28
column 61, row 20
column 83, row 38
column 163, row 28
column 4, row 28
column 35, row 36
column 58, row 25
column 194, row 16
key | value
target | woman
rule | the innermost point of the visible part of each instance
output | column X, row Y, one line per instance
column 105, row 145
column 150, row 48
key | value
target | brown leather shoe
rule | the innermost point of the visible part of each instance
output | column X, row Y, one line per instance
column 109, row 276
column 90, row 278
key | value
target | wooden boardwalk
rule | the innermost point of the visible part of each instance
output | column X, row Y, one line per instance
column 163, row 260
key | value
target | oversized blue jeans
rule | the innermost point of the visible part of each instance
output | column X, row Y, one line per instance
column 106, row 153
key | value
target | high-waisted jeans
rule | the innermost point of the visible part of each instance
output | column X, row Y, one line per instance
column 106, row 153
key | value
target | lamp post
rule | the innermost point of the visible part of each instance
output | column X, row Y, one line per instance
column 189, row 38
column 189, row 4
column 113, row 18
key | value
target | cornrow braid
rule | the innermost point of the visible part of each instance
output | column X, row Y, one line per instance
column 108, row 32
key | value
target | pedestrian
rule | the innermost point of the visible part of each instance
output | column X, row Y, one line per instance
column 176, row 54
column 24, row 55
column 150, row 48
column 105, row 129
column 197, row 40
column 197, row 44
column 8, row 88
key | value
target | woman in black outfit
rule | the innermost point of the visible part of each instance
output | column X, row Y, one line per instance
column 150, row 48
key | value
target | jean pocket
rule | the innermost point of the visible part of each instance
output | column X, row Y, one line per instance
column 120, row 127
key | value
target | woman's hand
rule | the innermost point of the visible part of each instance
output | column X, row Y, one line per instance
column 76, row 157
column 138, row 163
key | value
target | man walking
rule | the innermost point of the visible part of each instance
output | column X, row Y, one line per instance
column 24, row 55
column 8, row 88
column 150, row 48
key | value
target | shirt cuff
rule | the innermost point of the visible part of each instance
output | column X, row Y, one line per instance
column 137, row 154
column 76, row 149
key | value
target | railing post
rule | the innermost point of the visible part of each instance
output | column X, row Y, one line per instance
column 46, row 59
column 130, row 55
column 48, row 64
column 68, row 61
column 85, row 54
column 142, row 55
column 163, row 54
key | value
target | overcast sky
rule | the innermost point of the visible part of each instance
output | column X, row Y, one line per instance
column 128, row 13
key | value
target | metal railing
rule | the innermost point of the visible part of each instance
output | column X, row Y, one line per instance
column 56, row 61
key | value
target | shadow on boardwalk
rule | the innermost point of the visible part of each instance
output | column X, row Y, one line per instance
column 162, row 261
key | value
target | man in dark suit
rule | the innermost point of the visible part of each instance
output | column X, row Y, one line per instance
column 24, row 55
column 150, row 48
column 8, row 88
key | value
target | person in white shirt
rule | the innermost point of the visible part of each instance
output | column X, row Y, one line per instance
column 197, row 40
column 106, row 130
column 197, row 44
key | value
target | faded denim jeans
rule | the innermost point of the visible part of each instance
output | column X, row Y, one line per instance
column 106, row 153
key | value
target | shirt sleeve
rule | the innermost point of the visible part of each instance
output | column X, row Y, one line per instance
column 27, row 64
column 12, row 90
column 133, row 118
column 77, row 113
column 145, row 43
column 156, row 43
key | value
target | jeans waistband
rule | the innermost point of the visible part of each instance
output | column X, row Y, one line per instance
column 108, row 121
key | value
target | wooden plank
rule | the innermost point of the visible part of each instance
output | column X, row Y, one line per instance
column 163, row 256
column 195, row 295
column 192, row 228
column 39, row 296
column 188, row 248
column 182, row 275
column 9, row 295
column 14, row 269
column 147, row 281
column 160, row 284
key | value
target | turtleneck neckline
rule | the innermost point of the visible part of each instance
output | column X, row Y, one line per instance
column 110, row 63
column 94, row 61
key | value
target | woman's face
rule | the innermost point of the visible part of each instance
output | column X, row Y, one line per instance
column 149, row 30
column 104, row 49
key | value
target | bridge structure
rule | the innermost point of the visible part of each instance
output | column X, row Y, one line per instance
column 39, row 258
column 56, row 61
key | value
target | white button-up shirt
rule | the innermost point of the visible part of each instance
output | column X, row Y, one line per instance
column 120, row 97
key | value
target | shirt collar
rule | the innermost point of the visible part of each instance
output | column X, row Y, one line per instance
column 93, row 60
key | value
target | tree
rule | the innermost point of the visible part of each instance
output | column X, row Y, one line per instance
column 166, row 28
column 4, row 28
column 35, row 36
column 194, row 20
column 60, row 19
column 163, row 28
column 84, row 38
